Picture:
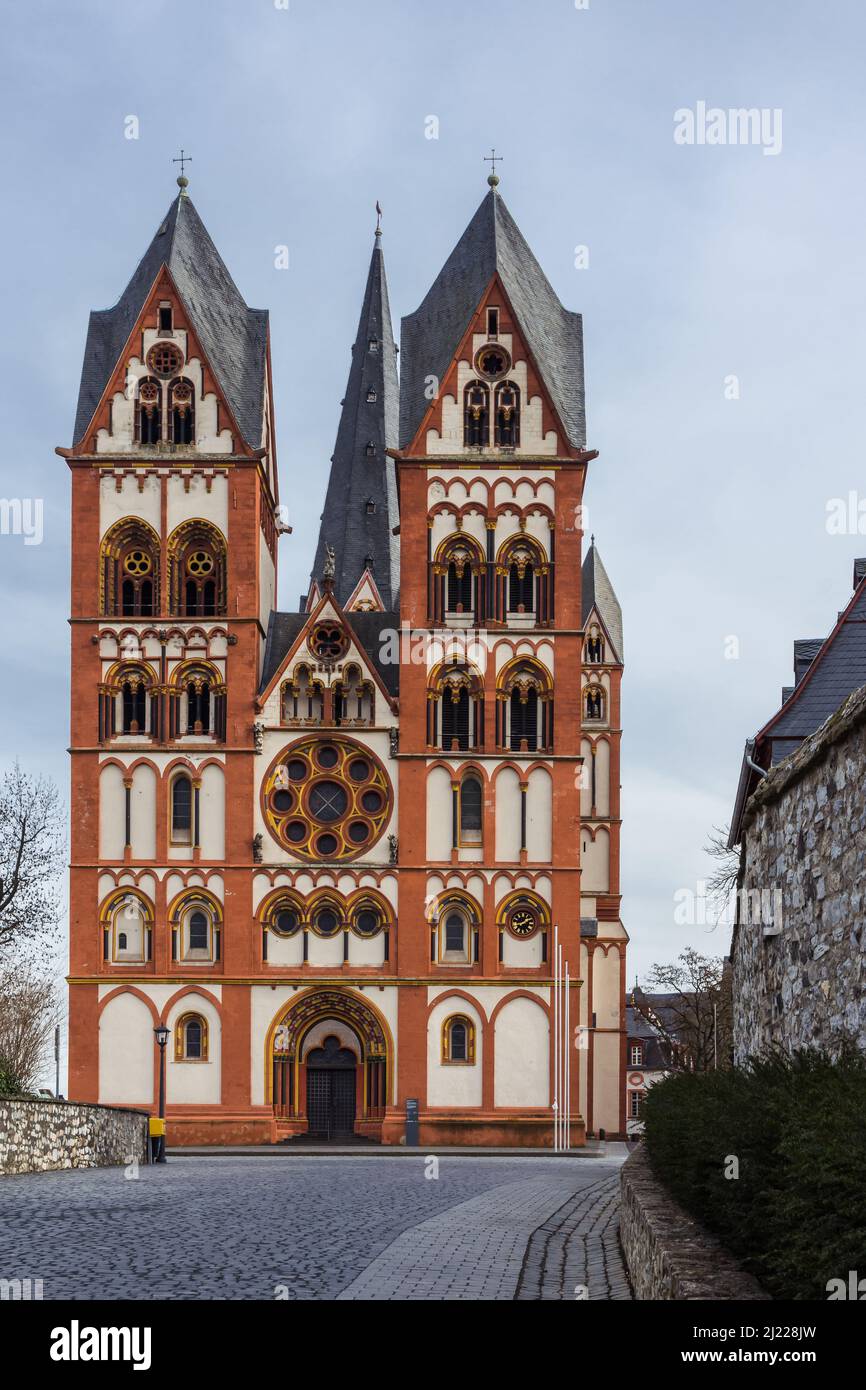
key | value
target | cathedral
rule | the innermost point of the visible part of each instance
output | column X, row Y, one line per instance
column 360, row 859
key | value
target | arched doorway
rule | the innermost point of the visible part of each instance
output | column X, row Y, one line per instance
column 329, row 1066
column 331, row 1086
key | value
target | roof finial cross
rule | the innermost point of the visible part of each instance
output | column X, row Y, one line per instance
column 492, row 158
column 182, row 180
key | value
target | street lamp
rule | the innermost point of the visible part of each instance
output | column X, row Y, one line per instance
column 161, row 1035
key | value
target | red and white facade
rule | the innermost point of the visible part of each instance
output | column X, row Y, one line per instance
column 333, row 865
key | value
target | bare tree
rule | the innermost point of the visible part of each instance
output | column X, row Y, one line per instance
column 31, row 848
column 725, row 874
column 693, row 1016
column 30, row 1010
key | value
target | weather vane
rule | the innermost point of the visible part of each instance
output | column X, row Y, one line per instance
column 491, row 159
column 378, row 219
column 182, row 159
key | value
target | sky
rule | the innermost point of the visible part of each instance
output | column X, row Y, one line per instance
column 721, row 287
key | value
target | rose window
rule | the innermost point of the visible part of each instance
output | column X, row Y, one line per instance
column 326, row 799
column 164, row 359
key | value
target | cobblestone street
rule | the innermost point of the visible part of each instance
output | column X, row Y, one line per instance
column 319, row 1228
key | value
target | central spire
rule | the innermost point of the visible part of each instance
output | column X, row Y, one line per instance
column 361, row 503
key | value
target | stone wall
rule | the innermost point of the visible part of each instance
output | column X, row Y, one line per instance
column 36, row 1135
column 804, row 845
column 669, row 1255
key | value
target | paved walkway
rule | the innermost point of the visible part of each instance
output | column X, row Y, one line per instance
column 355, row 1227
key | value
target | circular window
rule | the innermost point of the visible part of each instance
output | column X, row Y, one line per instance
column 367, row 922
column 199, row 562
column 164, row 359
column 492, row 360
column 286, row 922
column 329, row 642
column 326, row 799
column 327, row 921
column 137, row 562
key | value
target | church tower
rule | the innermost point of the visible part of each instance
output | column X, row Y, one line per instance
column 332, row 851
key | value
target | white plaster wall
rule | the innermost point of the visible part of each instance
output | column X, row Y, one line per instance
column 143, row 813
column 112, row 813
column 539, row 816
column 602, row 777
column 595, row 861
column 521, row 1059
column 439, row 814
column 507, row 815
column 517, row 954
column 212, row 812
column 126, row 1052
column 211, row 505
column 129, row 501
column 453, row 1084
column 194, row 1083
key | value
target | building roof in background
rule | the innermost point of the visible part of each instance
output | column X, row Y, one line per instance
column 492, row 244
column 370, row 630
column 826, row 671
column 233, row 336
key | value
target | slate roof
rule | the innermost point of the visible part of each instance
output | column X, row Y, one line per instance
column 369, row 628
column 233, row 336
column 429, row 338
column 825, row 672
column 597, row 591
column 364, row 539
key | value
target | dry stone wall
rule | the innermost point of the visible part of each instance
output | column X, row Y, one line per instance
column 36, row 1135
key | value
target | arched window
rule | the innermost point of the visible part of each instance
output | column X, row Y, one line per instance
column 303, row 698
column 198, row 696
column 522, row 582
column 197, row 571
column 181, row 411
column 524, row 708
column 524, row 720
column 594, row 651
column 126, row 921
column 191, row 1039
column 593, row 702
column 129, row 578
column 195, row 932
column 353, row 698
column 181, row 810
column 476, row 415
column 455, row 710
column 458, row 1040
column 470, row 810
column 148, row 411
column 458, row 581
column 507, row 419
column 133, row 698
column 455, row 926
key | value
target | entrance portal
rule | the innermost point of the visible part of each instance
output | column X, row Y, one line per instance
column 331, row 1089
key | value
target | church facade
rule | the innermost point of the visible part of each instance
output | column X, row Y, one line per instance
column 344, row 854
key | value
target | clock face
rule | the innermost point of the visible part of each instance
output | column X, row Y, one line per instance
column 522, row 922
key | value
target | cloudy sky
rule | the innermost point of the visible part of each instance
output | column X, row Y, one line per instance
column 723, row 306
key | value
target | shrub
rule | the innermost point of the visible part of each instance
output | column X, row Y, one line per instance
column 796, row 1124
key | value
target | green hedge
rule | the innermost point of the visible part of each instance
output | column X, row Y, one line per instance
column 796, row 1214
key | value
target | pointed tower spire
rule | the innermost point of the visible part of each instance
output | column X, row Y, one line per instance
column 361, row 503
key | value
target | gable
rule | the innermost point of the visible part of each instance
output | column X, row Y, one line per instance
column 292, row 640
column 134, row 363
column 546, row 430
